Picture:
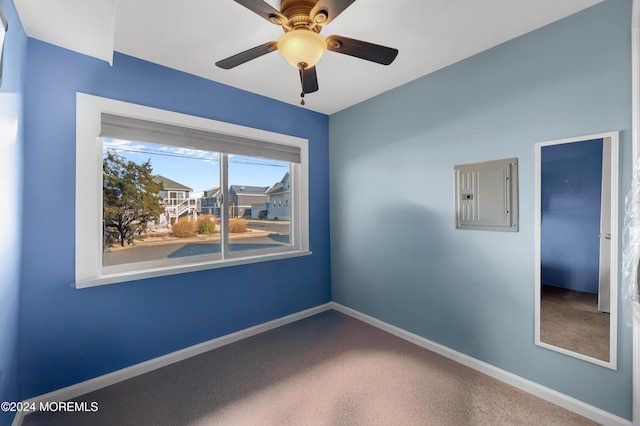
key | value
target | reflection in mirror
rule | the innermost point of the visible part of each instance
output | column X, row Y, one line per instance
column 576, row 247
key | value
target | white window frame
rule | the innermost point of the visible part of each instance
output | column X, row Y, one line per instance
column 89, row 239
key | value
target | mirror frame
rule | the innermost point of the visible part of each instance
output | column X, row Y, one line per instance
column 612, row 138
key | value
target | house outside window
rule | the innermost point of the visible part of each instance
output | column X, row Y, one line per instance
column 176, row 199
column 210, row 202
column 279, row 193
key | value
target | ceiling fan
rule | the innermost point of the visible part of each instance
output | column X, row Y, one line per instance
column 301, row 44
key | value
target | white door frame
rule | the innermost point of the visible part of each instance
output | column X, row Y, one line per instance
column 604, row 267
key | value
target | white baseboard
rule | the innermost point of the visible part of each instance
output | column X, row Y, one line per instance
column 100, row 382
column 555, row 397
column 562, row 400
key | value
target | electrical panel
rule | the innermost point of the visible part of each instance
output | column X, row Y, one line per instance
column 487, row 195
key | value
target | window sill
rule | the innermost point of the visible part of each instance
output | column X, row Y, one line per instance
column 141, row 274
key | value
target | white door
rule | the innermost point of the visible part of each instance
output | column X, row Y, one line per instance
column 604, row 287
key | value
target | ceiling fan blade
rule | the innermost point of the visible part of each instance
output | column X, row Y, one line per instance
column 309, row 80
column 264, row 10
column 247, row 55
column 332, row 9
column 362, row 49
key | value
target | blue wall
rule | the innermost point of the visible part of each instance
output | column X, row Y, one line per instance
column 395, row 254
column 571, row 190
column 68, row 335
column 11, row 98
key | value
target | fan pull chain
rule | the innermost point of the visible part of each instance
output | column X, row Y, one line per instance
column 302, row 67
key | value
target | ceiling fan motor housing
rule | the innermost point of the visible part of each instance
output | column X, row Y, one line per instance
column 298, row 12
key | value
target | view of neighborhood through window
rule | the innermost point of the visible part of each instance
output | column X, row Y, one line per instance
column 164, row 202
column 253, row 183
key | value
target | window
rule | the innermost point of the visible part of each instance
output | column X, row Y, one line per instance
column 204, row 184
column 179, row 227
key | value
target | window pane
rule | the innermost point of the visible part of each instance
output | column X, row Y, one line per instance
column 159, row 203
column 256, row 187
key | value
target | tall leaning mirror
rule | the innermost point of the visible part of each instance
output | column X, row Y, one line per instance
column 576, row 247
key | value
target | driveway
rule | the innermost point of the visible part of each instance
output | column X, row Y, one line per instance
column 268, row 235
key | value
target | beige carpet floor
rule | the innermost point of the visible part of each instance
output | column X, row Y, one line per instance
column 328, row 369
column 570, row 319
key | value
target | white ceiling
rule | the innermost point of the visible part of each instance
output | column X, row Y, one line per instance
column 192, row 35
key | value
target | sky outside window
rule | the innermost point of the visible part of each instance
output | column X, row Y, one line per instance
column 177, row 164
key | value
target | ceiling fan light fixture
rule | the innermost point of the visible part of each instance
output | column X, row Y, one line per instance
column 302, row 46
